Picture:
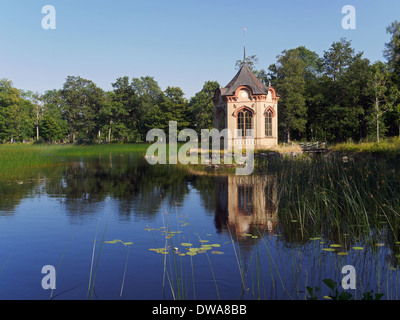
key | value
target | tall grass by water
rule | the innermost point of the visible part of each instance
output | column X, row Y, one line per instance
column 346, row 207
column 16, row 159
column 337, row 197
column 331, row 211
column 387, row 146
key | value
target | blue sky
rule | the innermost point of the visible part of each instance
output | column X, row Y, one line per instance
column 178, row 42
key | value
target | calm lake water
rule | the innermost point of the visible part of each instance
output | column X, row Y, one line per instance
column 116, row 227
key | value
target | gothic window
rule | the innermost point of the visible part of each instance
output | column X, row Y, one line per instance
column 244, row 123
column 268, row 123
column 245, row 199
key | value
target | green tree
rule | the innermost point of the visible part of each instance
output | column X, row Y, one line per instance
column 51, row 129
column 53, row 125
column 82, row 101
column 392, row 117
column 150, row 97
column 36, row 99
column 392, row 48
column 16, row 114
column 175, row 107
column 288, row 79
column 392, row 55
column 353, row 101
column 342, row 71
column 378, row 86
column 312, row 63
column 312, row 70
column 121, row 111
column 201, row 107
column 317, row 99
column 338, row 58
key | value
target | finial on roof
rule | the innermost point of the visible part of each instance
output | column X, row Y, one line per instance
column 244, row 45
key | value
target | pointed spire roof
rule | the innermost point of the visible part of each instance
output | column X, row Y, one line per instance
column 245, row 77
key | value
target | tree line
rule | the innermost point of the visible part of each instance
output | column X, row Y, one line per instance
column 83, row 112
column 338, row 96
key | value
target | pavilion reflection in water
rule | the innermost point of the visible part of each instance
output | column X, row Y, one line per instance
column 246, row 204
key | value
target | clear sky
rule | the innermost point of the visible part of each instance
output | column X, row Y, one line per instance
column 178, row 42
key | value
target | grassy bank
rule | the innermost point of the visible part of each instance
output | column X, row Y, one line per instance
column 390, row 147
column 21, row 159
column 37, row 153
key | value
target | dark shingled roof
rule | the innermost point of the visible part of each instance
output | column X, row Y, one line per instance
column 244, row 78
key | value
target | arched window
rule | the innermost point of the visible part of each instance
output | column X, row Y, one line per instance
column 245, row 199
column 244, row 123
column 268, row 123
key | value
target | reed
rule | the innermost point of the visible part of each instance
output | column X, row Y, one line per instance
column 347, row 203
column 351, row 202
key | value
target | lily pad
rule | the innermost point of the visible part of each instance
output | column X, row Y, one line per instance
column 343, row 253
column 217, row 252
column 379, row 244
column 128, row 243
column 159, row 250
column 216, row 245
column 191, row 253
column 358, row 248
column 328, row 249
column 336, row 245
column 186, row 244
column 113, row 241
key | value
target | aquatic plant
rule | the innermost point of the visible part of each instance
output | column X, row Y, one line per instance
column 335, row 294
